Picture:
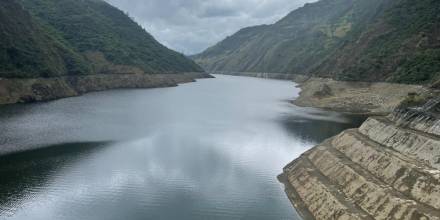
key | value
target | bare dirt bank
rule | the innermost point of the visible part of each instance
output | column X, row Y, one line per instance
column 45, row 89
column 354, row 97
column 389, row 168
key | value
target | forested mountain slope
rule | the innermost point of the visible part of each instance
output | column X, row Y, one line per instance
column 45, row 38
column 28, row 49
column 362, row 40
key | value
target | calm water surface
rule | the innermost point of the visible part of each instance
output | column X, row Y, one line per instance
column 205, row 150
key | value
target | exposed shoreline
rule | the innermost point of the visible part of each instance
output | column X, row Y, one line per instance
column 364, row 98
column 388, row 159
column 386, row 169
column 14, row 91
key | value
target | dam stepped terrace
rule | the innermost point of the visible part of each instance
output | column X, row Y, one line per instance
column 386, row 169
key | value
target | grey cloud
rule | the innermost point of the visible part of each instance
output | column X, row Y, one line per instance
column 190, row 26
column 218, row 12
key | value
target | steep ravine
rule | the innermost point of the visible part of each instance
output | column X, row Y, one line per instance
column 389, row 168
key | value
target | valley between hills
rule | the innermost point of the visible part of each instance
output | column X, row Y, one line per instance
column 374, row 58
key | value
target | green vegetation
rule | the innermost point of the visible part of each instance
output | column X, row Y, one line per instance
column 45, row 38
column 28, row 49
column 400, row 45
column 374, row 40
column 294, row 44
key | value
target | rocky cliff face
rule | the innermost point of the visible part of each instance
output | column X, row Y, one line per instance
column 389, row 168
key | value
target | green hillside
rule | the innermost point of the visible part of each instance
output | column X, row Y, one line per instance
column 44, row 38
column 402, row 44
column 28, row 49
column 363, row 40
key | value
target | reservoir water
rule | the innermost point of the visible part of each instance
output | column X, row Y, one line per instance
column 205, row 150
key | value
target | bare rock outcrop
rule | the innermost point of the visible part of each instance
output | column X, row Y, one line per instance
column 389, row 168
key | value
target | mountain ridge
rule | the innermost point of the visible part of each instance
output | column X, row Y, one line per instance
column 52, row 49
column 319, row 38
column 52, row 38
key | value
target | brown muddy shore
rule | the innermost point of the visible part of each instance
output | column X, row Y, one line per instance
column 46, row 89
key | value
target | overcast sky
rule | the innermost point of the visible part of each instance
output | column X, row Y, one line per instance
column 190, row 26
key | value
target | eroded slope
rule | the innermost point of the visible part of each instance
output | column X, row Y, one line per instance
column 389, row 168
